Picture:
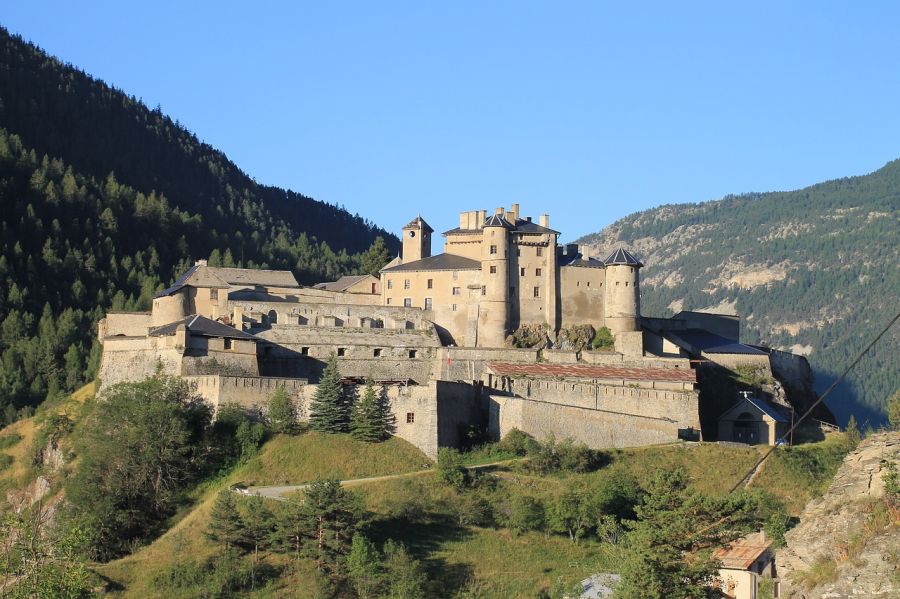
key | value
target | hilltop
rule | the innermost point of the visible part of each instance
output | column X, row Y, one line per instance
column 813, row 271
column 106, row 201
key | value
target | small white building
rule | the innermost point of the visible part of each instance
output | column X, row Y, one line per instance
column 743, row 564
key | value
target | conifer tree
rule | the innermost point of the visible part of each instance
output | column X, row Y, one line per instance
column 328, row 410
column 330, row 516
column 853, row 434
column 225, row 523
column 368, row 422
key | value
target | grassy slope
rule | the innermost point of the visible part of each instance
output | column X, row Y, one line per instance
column 493, row 562
column 282, row 460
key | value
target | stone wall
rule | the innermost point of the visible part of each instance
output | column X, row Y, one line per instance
column 330, row 314
column 468, row 363
column 128, row 324
column 135, row 359
column 733, row 361
column 428, row 416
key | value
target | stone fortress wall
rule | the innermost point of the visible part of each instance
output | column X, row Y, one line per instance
column 428, row 416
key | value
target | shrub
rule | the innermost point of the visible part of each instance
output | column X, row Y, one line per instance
column 10, row 440
column 450, row 468
column 473, row 510
column 5, row 461
column 603, row 339
column 564, row 455
column 519, row 443
column 527, row 513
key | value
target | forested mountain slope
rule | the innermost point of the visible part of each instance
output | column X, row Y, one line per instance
column 813, row 270
column 104, row 202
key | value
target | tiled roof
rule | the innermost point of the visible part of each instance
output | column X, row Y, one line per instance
column 591, row 371
column 438, row 262
column 526, row 226
column 342, row 284
column 622, row 256
column 580, row 261
column 202, row 326
column 419, row 222
column 741, row 554
column 196, row 276
column 255, row 276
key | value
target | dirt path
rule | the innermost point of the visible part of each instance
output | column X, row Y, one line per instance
column 278, row 492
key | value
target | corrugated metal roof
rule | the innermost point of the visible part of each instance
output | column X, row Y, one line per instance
column 591, row 371
column 711, row 343
column 741, row 554
column 438, row 262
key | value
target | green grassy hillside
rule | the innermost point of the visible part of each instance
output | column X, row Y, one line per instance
column 814, row 271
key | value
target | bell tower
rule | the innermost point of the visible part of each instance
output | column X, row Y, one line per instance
column 416, row 240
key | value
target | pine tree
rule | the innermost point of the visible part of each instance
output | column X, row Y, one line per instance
column 259, row 526
column 328, row 410
column 329, row 517
column 405, row 575
column 225, row 523
column 893, row 409
column 368, row 421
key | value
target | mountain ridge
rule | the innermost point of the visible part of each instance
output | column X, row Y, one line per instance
column 811, row 270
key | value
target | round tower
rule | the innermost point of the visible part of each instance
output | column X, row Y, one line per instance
column 169, row 308
column 622, row 301
column 493, row 310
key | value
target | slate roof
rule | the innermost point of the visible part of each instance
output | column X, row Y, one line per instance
column 591, row 371
column 437, row 262
column 761, row 405
column 255, row 276
column 342, row 284
column 419, row 222
column 622, row 256
column 495, row 220
column 580, row 261
column 741, row 554
column 196, row 276
column 521, row 226
column 202, row 326
column 711, row 343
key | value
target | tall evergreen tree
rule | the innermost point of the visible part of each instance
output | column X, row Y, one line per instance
column 368, row 422
column 225, row 523
column 282, row 415
column 328, row 410
column 330, row 515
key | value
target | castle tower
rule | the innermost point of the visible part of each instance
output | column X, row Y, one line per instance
column 416, row 240
column 493, row 311
column 623, row 292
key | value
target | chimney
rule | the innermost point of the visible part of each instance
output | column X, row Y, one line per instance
column 482, row 216
column 571, row 249
column 544, row 221
column 514, row 211
column 528, row 218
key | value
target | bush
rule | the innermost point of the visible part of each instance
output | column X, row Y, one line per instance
column 518, row 443
column 527, row 513
column 450, row 468
column 617, row 495
column 10, row 440
column 5, row 461
column 603, row 339
column 473, row 510
column 564, row 455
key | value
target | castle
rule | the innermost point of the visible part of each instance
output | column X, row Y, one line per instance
column 436, row 331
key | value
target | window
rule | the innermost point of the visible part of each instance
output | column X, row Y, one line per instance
column 388, row 301
column 518, row 251
column 342, row 351
column 484, row 290
column 410, row 417
column 413, row 353
column 522, row 272
column 626, row 283
column 493, row 270
column 406, row 283
column 390, row 283
column 227, row 343
column 540, row 252
column 430, row 283
column 588, row 283
column 214, row 294
column 407, row 302
column 376, row 352
column 428, row 303
column 617, row 283
column 304, row 351
column 455, row 275
column 453, row 307
column 493, row 249
column 455, row 291
column 537, row 292
column 537, row 272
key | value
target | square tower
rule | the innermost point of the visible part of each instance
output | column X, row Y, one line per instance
column 416, row 240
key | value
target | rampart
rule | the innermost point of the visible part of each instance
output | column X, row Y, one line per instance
column 332, row 314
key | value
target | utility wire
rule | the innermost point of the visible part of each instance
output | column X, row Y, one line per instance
column 817, row 402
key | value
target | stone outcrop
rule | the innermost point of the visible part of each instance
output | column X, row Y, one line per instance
column 836, row 531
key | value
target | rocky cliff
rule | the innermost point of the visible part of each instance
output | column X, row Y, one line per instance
column 847, row 543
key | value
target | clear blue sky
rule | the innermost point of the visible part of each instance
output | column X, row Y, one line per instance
column 587, row 110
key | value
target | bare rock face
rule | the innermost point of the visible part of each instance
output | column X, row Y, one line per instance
column 842, row 546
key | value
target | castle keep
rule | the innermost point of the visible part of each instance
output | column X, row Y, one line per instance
column 438, row 333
